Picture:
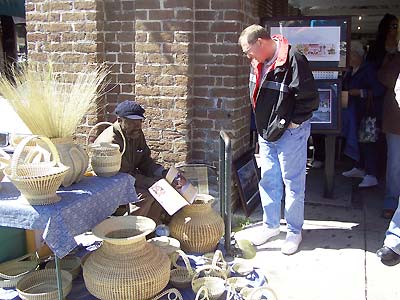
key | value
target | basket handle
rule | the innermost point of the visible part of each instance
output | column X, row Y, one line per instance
column 110, row 124
column 218, row 257
column 211, row 268
column 21, row 146
column 174, row 258
column 262, row 288
column 202, row 290
column 171, row 293
column 4, row 158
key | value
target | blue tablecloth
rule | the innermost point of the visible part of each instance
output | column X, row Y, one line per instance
column 82, row 206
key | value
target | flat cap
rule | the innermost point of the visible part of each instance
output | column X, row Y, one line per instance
column 130, row 109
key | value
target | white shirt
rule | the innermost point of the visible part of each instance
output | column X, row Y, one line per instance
column 397, row 90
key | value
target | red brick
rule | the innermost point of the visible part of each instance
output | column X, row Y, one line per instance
column 126, row 37
column 202, row 26
column 147, row 4
column 178, row 3
column 177, row 26
column 161, row 37
column 183, row 36
column 202, row 4
column 127, row 26
column 222, row 49
column 161, row 14
column 148, row 26
column 206, row 37
column 231, row 4
column 225, row 27
column 207, row 15
column 184, row 14
column 126, row 58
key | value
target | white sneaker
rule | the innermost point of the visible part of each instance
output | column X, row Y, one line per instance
column 261, row 235
column 355, row 172
column 368, row 181
column 291, row 243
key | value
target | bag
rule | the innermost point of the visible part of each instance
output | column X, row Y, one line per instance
column 368, row 131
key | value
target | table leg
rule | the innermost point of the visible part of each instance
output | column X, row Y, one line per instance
column 329, row 165
column 59, row 280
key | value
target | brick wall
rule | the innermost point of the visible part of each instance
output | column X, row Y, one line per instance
column 179, row 58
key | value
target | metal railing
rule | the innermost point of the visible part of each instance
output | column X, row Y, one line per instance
column 225, row 166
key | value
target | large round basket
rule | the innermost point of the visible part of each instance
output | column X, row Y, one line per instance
column 37, row 181
column 105, row 157
column 262, row 292
column 14, row 270
column 197, row 226
column 42, row 285
column 126, row 266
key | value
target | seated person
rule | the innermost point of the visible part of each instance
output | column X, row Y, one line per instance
column 136, row 159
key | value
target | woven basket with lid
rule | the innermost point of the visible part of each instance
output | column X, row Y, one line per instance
column 197, row 226
column 126, row 267
column 105, row 157
column 37, row 181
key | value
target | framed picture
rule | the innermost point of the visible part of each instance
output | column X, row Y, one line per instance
column 247, row 179
column 327, row 119
column 323, row 40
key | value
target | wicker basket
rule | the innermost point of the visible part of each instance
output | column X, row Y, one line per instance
column 126, row 266
column 198, row 227
column 181, row 277
column 105, row 157
column 172, row 294
column 242, row 268
column 213, row 279
column 4, row 161
column 14, row 270
column 237, row 283
column 70, row 264
column 200, row 292
column 37, row 181
column 257, row 293
column 217, row 259
column 167, row 244
column 42, row 285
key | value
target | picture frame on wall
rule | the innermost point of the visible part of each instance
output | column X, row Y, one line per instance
column 324, row 40
column 327, row 119
column 247, row 178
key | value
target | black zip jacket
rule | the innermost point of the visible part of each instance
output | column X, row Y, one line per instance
column 287, row 93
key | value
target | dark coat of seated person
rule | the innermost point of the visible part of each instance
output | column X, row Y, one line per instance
column 136, row 159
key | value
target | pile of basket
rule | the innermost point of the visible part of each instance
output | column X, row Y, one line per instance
column 36, row 175
column 14, row 270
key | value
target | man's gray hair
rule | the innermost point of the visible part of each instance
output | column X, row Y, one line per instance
column 252, row 33
column 358, row 48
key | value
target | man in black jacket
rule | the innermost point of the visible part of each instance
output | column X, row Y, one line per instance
column 283, row 96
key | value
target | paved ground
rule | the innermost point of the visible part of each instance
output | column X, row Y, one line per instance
column 337, row 257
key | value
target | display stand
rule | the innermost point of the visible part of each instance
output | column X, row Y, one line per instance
column 82, row 206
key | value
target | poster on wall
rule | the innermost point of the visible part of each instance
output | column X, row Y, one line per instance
column 316, row 43
column 324, row 112
column 324, row 40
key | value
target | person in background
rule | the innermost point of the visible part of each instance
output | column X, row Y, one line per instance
column 136, row 159
column 386, row 40
column 390, row 252
column 283, row 96
column 361, row 82
column 388, row 74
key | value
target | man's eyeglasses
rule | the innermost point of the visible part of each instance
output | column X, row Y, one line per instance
column 246, row 52
column 394, row 26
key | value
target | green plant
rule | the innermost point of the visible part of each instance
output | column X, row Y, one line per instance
column 49, row 103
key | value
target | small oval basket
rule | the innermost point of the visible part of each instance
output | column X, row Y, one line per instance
column 42, row 285
column 71, row 264
column 217, row 259
column 213, row 279
column 181, row 277
column 258, row 293
column 12, row 271
column 37, row 181
column 105, row 157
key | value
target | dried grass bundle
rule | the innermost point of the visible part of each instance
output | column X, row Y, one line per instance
column 52, row 104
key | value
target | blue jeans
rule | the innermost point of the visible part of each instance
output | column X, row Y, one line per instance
column 392, row 239
column 392, row 192
column 284, row 163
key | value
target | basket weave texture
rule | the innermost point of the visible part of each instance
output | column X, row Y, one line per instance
column 14, row 270
column 198, row 227
column 70, row 264
column 105, row 157
column 181, row 277
column 37, row 181
column 214, row 279
column 126, row 266
column 42, row 285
